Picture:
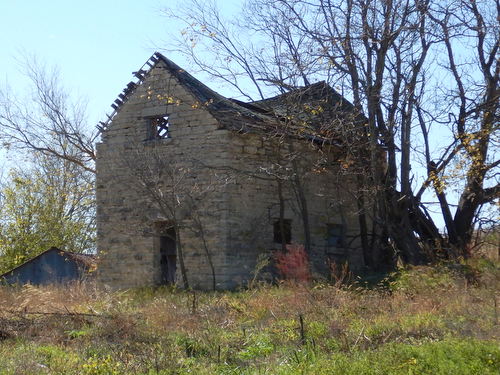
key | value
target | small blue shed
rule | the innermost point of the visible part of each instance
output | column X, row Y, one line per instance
column 51, row 267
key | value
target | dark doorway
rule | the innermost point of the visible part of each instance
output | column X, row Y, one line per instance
column 286, row 235
column 168, row 256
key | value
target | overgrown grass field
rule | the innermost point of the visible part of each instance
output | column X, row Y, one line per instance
column 423, row 320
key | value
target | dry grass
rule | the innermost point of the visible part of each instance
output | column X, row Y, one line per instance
column 50, row 299
column 236, row 328
column 166, row 310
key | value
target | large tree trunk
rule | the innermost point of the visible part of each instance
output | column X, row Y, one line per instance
column 402, row 230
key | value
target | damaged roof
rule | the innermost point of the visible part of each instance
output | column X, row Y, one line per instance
column 307, row 112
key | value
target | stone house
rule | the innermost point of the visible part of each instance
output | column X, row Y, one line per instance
column 190, row 183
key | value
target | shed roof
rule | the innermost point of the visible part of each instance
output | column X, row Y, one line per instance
column 86, row 261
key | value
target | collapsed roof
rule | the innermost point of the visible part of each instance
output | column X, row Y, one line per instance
column 312, row 112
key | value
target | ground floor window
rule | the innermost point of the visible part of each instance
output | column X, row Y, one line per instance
column 283, row 232
column 335, row 236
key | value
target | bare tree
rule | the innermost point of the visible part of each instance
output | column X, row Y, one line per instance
column 473, row 107
column 173, row 189
column 393, row 60
column 48, row 122
column 57, row 179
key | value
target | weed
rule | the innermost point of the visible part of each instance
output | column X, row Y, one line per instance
column 256, row 346
column 101, row 366
column 428, row 320
column 293, row 264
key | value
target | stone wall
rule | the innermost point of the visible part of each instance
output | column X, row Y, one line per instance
column 233, row 199
column 126, row 211
column 256, row 201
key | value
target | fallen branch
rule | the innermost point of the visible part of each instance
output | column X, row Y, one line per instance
column 67, row 313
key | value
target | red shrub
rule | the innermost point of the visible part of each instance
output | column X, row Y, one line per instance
column 293, row 264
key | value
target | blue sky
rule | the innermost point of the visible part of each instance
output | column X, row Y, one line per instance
column 95, row 44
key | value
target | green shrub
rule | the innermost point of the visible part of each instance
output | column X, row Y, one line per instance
column 457, row 357
column 58, row 360
column 96, row 365
column 192, row 346
column 257, row 346
column 421, row 279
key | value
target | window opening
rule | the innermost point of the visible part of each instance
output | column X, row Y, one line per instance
column 287, row 235
column 160, row 127
column 335, row 236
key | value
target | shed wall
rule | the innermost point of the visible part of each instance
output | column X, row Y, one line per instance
column 49, row 268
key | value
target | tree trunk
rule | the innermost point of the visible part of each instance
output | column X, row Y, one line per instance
column 180, row 253
column 207, row 252
column 401, row 229
column 367, row 253
column 282, row 215
column 304, row 213
column 301, row 199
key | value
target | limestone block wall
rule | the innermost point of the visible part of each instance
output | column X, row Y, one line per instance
column 126, row 213
column 328, row 195
column 229, row 177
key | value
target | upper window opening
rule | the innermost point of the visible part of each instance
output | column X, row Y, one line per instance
column 159, row 127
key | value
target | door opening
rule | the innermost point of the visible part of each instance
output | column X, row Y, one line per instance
column 168, row 256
